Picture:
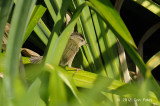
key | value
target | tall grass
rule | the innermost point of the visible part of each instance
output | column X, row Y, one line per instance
column 50, row 84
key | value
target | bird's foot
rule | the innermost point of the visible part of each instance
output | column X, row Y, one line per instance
column 77, row 69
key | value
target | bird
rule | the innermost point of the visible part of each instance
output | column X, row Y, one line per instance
column 75, row 41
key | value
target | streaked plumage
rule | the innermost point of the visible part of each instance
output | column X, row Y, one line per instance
column 69, row 53
column 75, row 41
column 36, row 59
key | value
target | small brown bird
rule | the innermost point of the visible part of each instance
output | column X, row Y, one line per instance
column 76, row 40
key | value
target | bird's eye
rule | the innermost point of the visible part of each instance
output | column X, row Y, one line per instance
column 82, row 40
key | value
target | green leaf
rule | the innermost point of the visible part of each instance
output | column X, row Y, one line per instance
column 5, row 8
column 143, row 94
column 32, row 97
column 51, row 10
column 136, row 91
column 90, row 59
column 32, row 71
column 88, row 62
column 84, row 63
column 25, row 60
column 67, row 79
column 36, row 15
column 56, row 51
column 40, row 34
column 97, row 85
column 19, row 24
column 150, row 5
column 87, row 79
column 107, row 42
column 44, row 28
column 113, row 20
column 90, row 80
column 3, row 96
column 57, row 90
column 90, row 36
column 154, row 61
column 19, row 92
column 57, row 4
column 56, row 30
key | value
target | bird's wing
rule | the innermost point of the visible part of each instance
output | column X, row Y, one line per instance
column 69, row 52
column 36, row 59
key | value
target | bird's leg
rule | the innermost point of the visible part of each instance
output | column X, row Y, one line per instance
column 70, row 66
column 77, row 69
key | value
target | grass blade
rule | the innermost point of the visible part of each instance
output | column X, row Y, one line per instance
column 36, row 15
column 51, row 10
column 67, row 80
column 112, row 19
column 5, row 8
column 55, row 52
column 44, row 28
column 154, row 61
column 108, row 48
column 150, row 5
column 87, row 79
column 32, row 97
column 19, row 24
column 90, row 36
column 40, row 34
column 56, row 29
column 57, row 90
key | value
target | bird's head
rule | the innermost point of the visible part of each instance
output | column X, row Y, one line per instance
column 78, row 38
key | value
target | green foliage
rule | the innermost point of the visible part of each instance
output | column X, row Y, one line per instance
column 5, row 8
column 36, row 15
column 153, row 62
column 48, row 83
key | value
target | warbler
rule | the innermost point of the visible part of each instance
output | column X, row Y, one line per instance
column 75, row 41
